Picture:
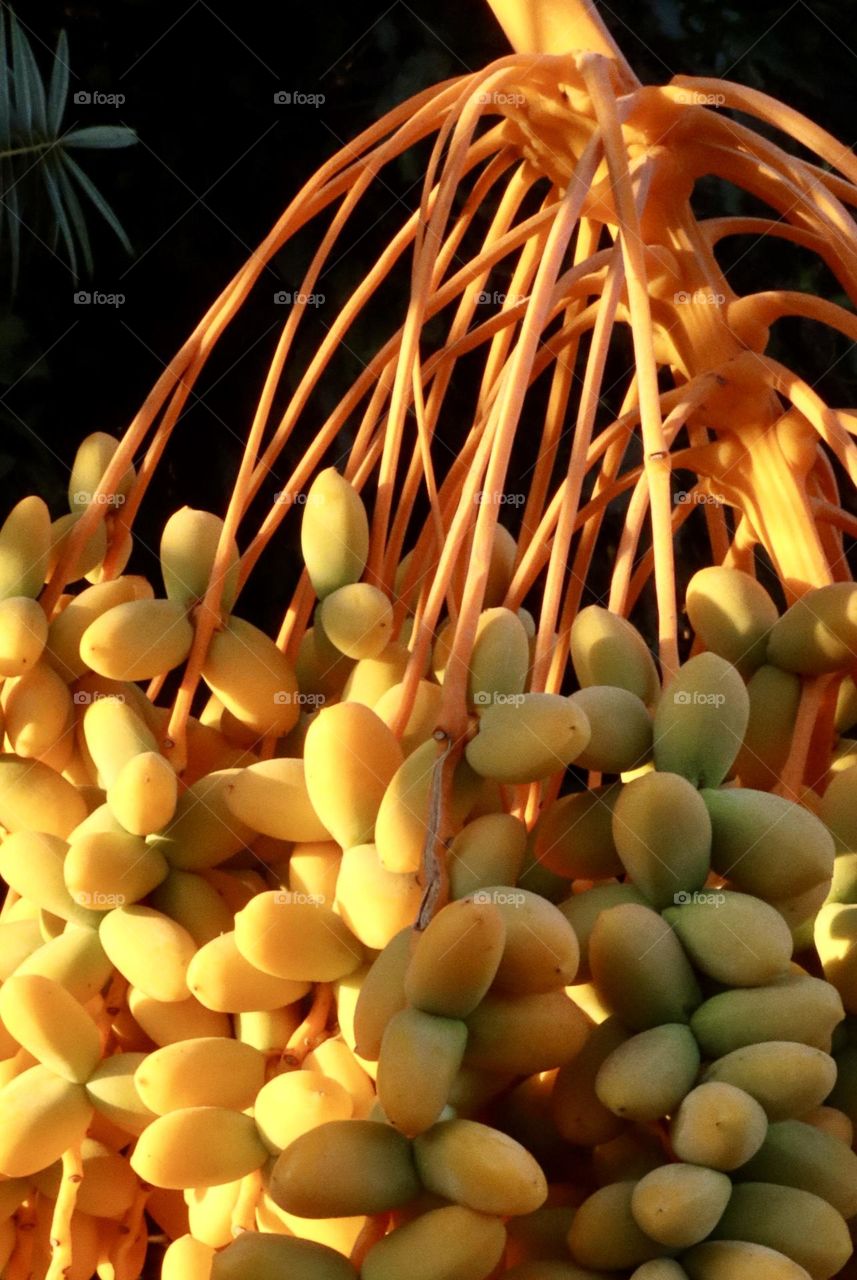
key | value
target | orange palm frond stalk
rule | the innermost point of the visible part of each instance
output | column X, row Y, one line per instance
column 585, row 178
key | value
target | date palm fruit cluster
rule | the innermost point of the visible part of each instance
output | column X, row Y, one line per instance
column 448, row 934
column 248, row 1010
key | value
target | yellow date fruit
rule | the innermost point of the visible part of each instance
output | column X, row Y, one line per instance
column 334, row 533
column 350, row 756
column 198, row 1147
column 300, row 941
column 41, row 1116
column 479, row 1167
column 456, row 959
column 137, row 640
column 412, row 1039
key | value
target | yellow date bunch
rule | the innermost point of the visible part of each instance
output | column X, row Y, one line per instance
column 253, row 1027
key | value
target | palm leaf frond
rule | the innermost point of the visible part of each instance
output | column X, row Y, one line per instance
column 5, row 114
column 90, row 189
column 34, row 146
column 10, row 200
column 62, row 221
column 100, row 136
column 74, row 210
column 58, row 91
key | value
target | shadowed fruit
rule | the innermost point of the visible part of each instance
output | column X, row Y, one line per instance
column 607, row 649
column 838, row 811
column 787, row 1078
column 719, row 1126
column 257, row 1256
column 451, row 1243
column 818, row 633
column 109, row 1184
column 525, row 1034
column 94, row 455
column 732, row 613
column 187, row 1259
column 629, row 1157
column 402, row 822
column 203, row 830
column 774, row 700
column 25, row 540
column 50, row 1024
column 75, row 959
column 680, row 1204
column 621, row 729
column 582, row 911
column 540, row 951
column 114, row 733
column 800, row 1155
column 574, row 835
column 47, row 803
column 500, row 658
column 375, row 903
column 488, row 850
column 149, row 949
column 357, row 619
column 640, row 969
column 345, row 1167
column 105, row 869
column 605, row 1234
column 801, row 1225
column 112, row 1092
column 792, row 1007
column 169, row 1022
column 701, row 720
column 734, row 938
column 455, row 960
column 480, row 1167
column 32, row 863
column 412, row 1039
column 767, row 845
column 578, row 1113
column 382, row 993
column 662, row 834
column 740, row 1260
column 23, row 634
column 660, row 1269
column 646, row 1076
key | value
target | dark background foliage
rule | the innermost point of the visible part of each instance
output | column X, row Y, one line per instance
column 218, row 160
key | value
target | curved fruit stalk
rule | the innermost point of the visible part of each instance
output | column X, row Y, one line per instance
column 752, row 426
